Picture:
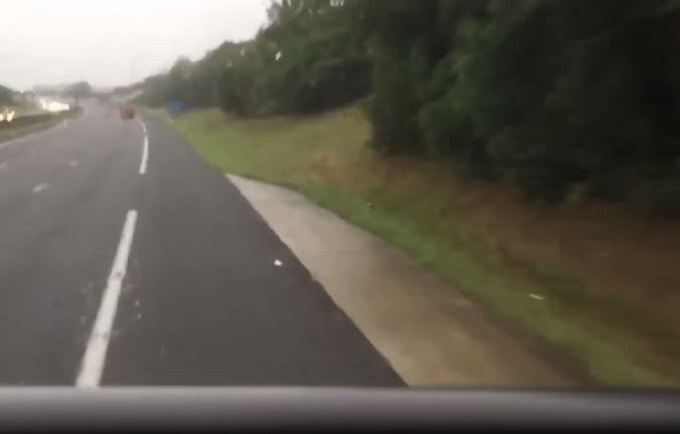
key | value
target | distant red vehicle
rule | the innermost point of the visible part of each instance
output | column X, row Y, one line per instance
column 127, row 112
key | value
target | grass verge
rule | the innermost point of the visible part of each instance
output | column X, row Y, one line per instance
column 526, row 264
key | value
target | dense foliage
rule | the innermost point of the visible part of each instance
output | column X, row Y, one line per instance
column 566, row 98
column 308, row 58
column 558, row 96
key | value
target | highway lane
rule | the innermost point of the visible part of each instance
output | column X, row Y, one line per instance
column 180, row 279
column 62, row 197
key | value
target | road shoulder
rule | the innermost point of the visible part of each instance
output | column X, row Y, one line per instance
column 428, row 331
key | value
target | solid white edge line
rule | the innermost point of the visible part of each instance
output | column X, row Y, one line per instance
column 145, row 156
column 92, row 365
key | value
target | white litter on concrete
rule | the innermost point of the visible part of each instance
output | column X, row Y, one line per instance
column 40, row 187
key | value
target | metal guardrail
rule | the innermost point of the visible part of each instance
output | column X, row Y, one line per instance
column 26, row 120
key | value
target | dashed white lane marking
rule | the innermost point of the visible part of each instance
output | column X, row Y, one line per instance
column 145, row 156
column 92, row 365
column 145, row 151
column 40, row 187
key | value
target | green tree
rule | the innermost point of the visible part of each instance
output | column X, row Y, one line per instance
column 548, row 94
column 79, row 90
column 6, row 95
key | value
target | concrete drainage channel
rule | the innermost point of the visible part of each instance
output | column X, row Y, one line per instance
column 428, row 331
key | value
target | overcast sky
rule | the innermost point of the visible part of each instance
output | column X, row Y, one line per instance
column 113, row 42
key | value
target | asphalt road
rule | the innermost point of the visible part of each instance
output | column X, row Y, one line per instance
column 124, row 260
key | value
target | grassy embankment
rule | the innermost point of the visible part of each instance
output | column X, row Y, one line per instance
column 597, row 283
